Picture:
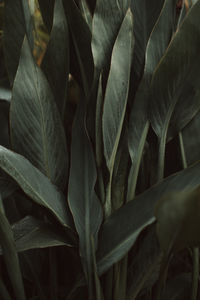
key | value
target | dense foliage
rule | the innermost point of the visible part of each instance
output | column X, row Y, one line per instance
column 100, row 149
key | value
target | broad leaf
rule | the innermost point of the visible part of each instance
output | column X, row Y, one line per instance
column 18, row 22
column 83, row 202
column 122, row 228
column 175, row 93
column 107, row 19
column 10, row 255
column 36, row 128
column 178, row 220
column 116, row 95
column 30, row 233
column 55, row 63
column 36, row 185
column 5, row 94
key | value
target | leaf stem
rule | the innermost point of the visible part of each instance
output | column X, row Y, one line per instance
column 161, row 157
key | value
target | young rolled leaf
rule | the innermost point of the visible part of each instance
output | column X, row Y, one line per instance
column 107, row 19
column 10, row 255
column 175, row 93
column 116, row 95
column 121, row 229
column 84, row 204
column 17, row 23
column 36, row 185
column 178, row 220
column 36, row 128
column 55, row 63
column 30, row 233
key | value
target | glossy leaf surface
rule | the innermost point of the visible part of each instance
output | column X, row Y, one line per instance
column 122, row 228
column 36, row 128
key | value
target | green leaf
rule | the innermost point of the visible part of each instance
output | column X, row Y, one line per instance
column 83, row 202
column 116, row 95
column 36, row 128
column 81, row 37
column 36, row 185
column 10, row 256
column 139, row 124
column 143, row 271
column 145, row 15
column 86, row 13
column 121, row 229
column 55, row 63
column 107, row 19
column 175, row 94
column 30, row 233
column 17, row 23
column 178, row 220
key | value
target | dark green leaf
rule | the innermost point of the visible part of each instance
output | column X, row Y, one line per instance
column 36, row 128
column 139, row 124
column 86, row 13
column 56, row 60
column 175, row 95
column 10, row 256
column 4, row 123
column 116, row 96
column 107, row 19
column 83, row 202
column 18, row 22
column 30, row 233
column 122, row 228
column 36, row 185
column 178, row 220
column 145, row 14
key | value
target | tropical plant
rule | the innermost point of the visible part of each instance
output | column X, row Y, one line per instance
column 99, row 193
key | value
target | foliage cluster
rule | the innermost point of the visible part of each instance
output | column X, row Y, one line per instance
column 99, row 194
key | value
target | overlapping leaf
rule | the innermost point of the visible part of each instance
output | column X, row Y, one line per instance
column 36, row 185
column 139, row 124
column 107, row 19
column 116, row 94
column 36, row 128
column 55, row 63
column 18, row 22
column 145, row 15
column 122, row 228
column 47, row 8
column 175, row 95
column 83, row 202
column 30, row 233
